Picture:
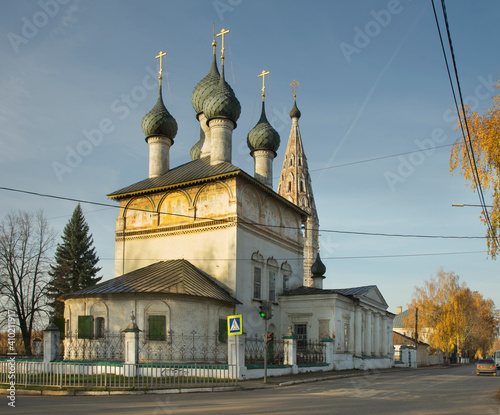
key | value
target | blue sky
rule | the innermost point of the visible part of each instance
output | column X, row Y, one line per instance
column 373, row 83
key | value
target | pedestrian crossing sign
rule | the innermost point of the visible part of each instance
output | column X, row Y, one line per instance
column 234, row 325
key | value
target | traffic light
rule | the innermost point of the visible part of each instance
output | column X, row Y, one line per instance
column 266, row 310
column 262, row 310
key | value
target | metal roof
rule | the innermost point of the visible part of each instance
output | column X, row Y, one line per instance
column 398, row 320
column 176, row 276
column 193, row 171
column 344, row 291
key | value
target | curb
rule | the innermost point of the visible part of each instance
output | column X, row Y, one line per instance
column 28, row 392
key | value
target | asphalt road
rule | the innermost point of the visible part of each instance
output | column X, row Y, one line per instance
column 454, row 390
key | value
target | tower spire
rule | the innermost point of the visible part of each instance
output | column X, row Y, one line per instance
column 295, row 185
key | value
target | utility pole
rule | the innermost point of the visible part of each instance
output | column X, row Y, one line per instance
column 416, row 329
column 265, row 351
column 266, row 312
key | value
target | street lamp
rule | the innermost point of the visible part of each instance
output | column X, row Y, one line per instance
column 464, row 204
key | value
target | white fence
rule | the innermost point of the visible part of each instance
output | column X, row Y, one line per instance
column 118, row 375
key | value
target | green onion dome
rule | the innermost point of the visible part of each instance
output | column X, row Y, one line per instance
column 205, row 87
column 294, row 113
column 159, row 122
column 263, row 136
column 222, row 102
column 318, row 269
column 196, row 149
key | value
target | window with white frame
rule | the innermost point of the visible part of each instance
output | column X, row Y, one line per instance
column 346, row 337
column 286, row 283
column 258, row 265
column 257, row 282
column 286, row 272
column 272, row 285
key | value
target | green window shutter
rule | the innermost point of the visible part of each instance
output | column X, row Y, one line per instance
column 85, row 327
column 157, row 328
column 222, row 330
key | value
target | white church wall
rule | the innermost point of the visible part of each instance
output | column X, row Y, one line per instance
column 271, row 255
column 208, row 250
column 182, row 315
column 309, row 310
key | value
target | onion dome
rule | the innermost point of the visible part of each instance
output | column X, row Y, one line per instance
column 263, row 136
column 159, row 122
column 318, row 269
column 196, row 149
column 205, row 87
column 295, row 113
column 222, row 102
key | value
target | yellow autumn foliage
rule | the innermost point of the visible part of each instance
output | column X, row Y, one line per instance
column 485, row 137
column 454, row 315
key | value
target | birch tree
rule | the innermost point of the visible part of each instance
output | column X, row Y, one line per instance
column 26, row 242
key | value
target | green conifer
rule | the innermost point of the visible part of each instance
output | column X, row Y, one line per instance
column 76, row 263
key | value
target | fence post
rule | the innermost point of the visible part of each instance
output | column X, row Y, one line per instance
column 236, row 354
column 131, row 348
column 328, row 350
column 291, row 350
column 51, row 339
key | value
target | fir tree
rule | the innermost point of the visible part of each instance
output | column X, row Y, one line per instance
column 76, row 261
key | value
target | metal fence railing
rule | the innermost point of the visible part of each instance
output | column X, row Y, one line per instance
column 311, row 352
column 117, row 375
column 254, row 351
column 175, row 348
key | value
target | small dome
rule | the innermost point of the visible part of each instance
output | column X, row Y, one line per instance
column 318, row 269
column 205, row 87
column 295, row 113
column 222, row 102
column 158, row 121
column 196, row 149
column 263, row 136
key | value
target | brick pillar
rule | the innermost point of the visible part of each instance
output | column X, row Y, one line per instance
column 236, row 354
column 131, row 348
column 51, row 340
column 291, row 350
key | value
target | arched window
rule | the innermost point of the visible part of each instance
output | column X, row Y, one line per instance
column 99, row 328
column 289, row 186
column 258, row 263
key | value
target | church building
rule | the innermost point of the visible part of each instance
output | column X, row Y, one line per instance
column 198, row 242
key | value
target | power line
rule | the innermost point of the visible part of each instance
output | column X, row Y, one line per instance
column 242, row 221
column 381, row 158
column 322, row 258
column 463, row 121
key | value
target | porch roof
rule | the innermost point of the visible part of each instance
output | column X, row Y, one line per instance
column 169, row 277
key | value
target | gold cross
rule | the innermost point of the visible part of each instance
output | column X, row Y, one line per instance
column 160, row 56
column 222, row 33
column 263, row 74
column 214, row 43
column 294, row 85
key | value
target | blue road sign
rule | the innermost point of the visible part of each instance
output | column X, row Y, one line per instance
column 234, row 325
